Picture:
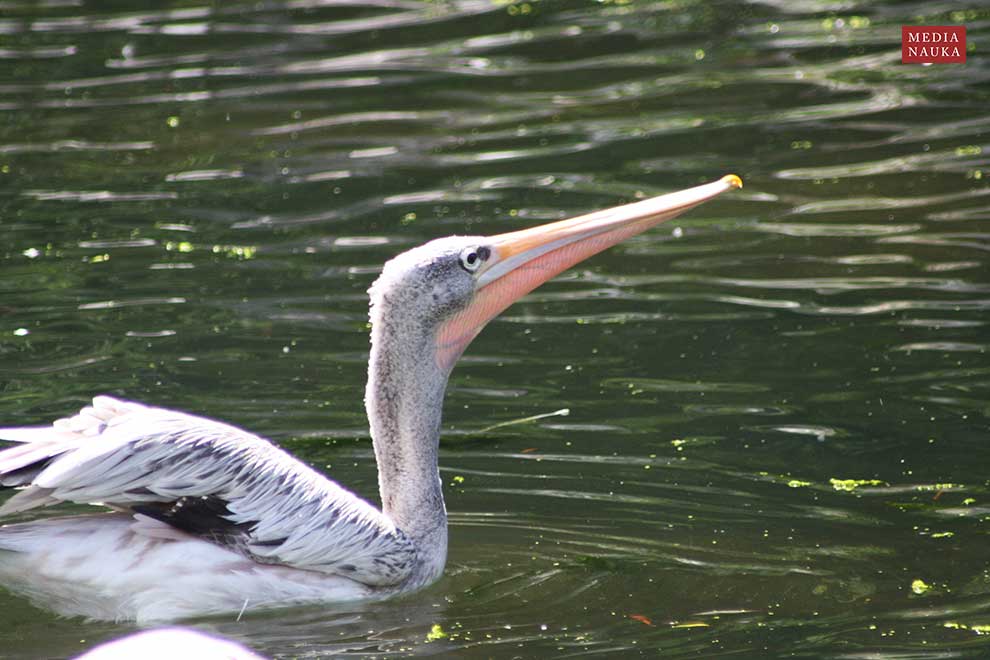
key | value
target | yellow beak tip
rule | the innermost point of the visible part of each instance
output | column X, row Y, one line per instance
column 732, row 180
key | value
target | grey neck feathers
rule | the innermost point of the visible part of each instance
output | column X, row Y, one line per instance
column 404, row 400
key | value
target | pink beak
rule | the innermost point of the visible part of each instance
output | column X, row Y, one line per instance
column 522, row 260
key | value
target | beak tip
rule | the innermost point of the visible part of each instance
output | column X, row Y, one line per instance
column 732, row 180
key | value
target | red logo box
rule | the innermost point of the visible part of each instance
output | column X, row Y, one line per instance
column 933, row 44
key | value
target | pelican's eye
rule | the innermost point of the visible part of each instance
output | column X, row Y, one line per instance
column 473, row 257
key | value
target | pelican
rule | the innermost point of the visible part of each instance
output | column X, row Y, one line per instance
column 168, row 644
column 209, row 519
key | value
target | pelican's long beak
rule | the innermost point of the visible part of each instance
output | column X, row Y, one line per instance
column 522, row 260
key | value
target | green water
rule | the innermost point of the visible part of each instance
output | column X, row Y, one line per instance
column 195, row 197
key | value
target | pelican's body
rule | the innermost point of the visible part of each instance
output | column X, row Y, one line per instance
column 210, row 518
column 310, row 540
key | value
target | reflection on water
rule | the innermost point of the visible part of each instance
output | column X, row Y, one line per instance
column 778, row 405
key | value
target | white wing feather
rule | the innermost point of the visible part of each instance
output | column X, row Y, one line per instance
column 125, row 454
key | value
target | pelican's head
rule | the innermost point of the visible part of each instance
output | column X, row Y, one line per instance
column 451, row 287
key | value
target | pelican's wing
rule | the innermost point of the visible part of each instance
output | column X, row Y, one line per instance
column 207, row 479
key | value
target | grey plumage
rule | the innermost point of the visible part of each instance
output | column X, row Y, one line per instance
column 185, row 477
column 127, row 455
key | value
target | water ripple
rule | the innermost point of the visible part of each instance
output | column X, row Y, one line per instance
column 777, row 403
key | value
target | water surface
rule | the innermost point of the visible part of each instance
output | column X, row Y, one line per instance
column 777, row 439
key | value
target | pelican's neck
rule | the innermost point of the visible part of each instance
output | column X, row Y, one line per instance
column 404, row 399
